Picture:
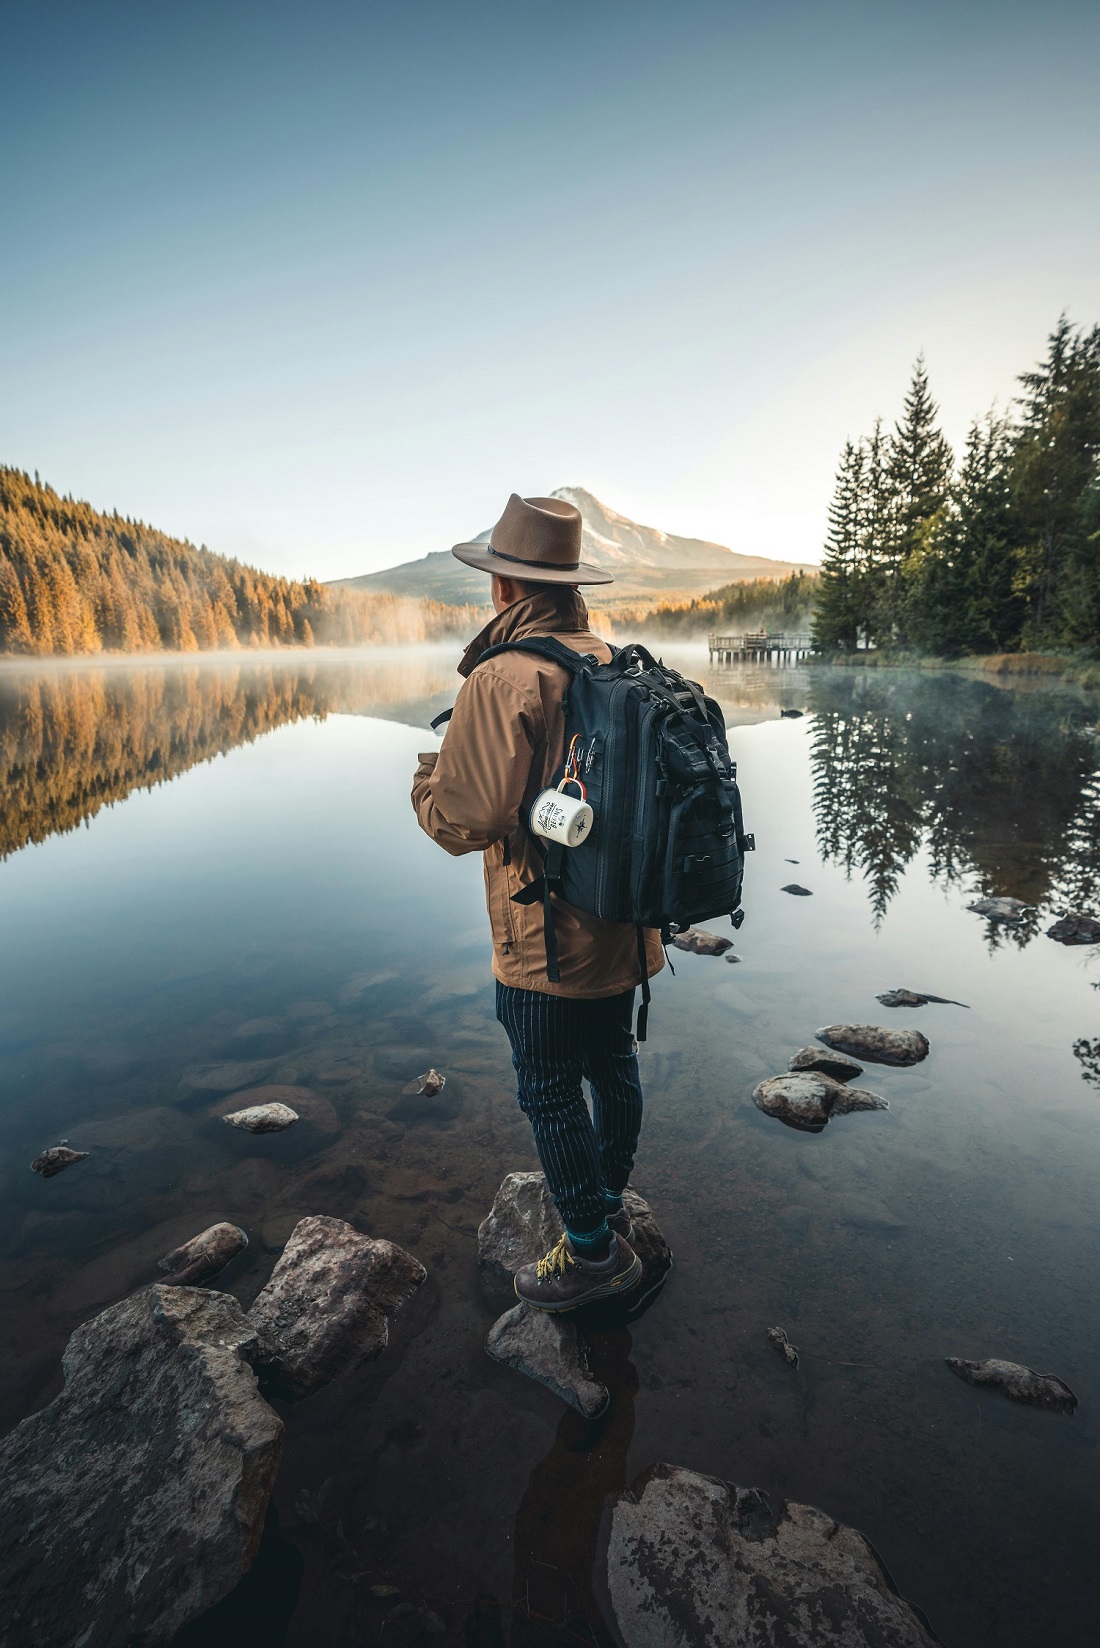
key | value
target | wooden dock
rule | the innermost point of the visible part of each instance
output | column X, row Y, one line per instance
column 760, row 648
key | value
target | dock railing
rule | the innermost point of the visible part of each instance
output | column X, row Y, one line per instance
column 758, row 647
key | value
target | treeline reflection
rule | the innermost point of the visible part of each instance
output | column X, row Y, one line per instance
column 1001, row 789
column 74, row 741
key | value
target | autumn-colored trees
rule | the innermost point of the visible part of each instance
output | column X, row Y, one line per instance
column 74, row 581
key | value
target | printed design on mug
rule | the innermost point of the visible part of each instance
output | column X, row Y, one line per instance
column 557, row 816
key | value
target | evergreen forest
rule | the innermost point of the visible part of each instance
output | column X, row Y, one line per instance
column 995, row 552
column 73, row 580
column 757, row 603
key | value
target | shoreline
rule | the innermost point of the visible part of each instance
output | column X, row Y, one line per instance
column 1015, row 669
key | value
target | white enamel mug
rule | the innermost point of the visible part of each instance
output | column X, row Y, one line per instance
column 560, row 817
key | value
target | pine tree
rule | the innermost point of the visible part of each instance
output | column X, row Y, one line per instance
column 1054, row 474
column 836, row 621
column 961, row 592
column 919, row 474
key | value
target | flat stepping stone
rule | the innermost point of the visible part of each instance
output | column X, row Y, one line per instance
column 799, row 892
column 701, row 943
column 830, row 1064
column 55, row 1160
column 263, row 1118
column 1000, row 909
column 807, row 1100
column 876, row 1044
column 205, row 1255
column 1075, row 928
column 915, row 998
column 1019, row 1384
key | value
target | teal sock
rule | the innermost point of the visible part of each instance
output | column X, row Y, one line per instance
column 591, row 1241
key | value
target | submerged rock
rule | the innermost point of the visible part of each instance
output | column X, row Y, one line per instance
column 872, row 1042
column 224, row 1077
column 136, row 1499
column 913, row 998
column 431, row 1083
column 799, row 892
column 694, row 1562
column 325, row 1308
column 1040, row 1390
column 205, row 1255
column 701, row 943
column 1075, row 928
column 547, row 1349
column 1000, row 909
column 789, row 1352
column 263, row 1118
column 830, row 1064
column 56, row 1159
column 806, row 1099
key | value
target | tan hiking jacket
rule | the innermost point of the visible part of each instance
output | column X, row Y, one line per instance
column 503, row 745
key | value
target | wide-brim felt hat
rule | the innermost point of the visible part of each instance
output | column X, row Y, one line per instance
column 537, row 540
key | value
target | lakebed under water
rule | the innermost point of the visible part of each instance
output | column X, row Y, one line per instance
column 217, row 861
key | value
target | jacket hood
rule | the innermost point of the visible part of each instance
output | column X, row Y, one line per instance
column 549, row 611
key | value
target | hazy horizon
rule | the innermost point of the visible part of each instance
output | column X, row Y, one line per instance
column 320, row 288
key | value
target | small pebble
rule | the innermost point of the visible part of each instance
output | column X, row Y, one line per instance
column 789, row 1352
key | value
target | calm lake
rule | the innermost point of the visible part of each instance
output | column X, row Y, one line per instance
column 217, row 861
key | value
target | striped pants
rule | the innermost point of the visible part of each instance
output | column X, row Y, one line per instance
column 557, row 1040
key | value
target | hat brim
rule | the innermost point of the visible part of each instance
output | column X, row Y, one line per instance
column 481, row 557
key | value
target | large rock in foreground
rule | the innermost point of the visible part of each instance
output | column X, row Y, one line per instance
column 876, row 1044
column 806, row 1099
column 547, row 1349
column 698, row 1563
column 136, row 1500
column 325, row 1308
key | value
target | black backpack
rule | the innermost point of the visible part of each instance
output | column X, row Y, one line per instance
column 668, row 843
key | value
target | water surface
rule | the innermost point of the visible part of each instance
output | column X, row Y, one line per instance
column 217, row 861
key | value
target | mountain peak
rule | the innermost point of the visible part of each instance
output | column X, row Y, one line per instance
column 645, row 561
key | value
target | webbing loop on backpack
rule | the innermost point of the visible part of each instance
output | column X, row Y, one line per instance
column 643, row 963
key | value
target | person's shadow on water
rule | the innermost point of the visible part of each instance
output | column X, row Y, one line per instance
column 558, row 1522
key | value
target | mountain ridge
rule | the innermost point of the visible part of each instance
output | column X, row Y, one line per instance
column 645, row 560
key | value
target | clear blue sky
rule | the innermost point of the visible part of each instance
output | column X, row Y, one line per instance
column 321, row 284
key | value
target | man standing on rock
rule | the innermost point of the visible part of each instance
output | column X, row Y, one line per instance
column 504, row 745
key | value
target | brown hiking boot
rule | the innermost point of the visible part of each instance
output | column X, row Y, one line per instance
column 562, row 1280
column 622, row 1224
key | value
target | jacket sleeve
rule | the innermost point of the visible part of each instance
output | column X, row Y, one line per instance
column 470, row 794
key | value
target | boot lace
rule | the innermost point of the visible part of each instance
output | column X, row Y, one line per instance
column 558, row 1259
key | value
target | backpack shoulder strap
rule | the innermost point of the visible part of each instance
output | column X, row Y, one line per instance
column 544, row 646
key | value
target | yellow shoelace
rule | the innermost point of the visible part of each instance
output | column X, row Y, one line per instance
column 558, row 1259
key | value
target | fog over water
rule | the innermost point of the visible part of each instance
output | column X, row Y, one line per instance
column 217, row 860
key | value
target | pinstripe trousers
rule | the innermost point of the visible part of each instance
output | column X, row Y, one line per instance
column 557, row 1040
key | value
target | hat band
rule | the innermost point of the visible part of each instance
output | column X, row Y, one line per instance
column 562, row 566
